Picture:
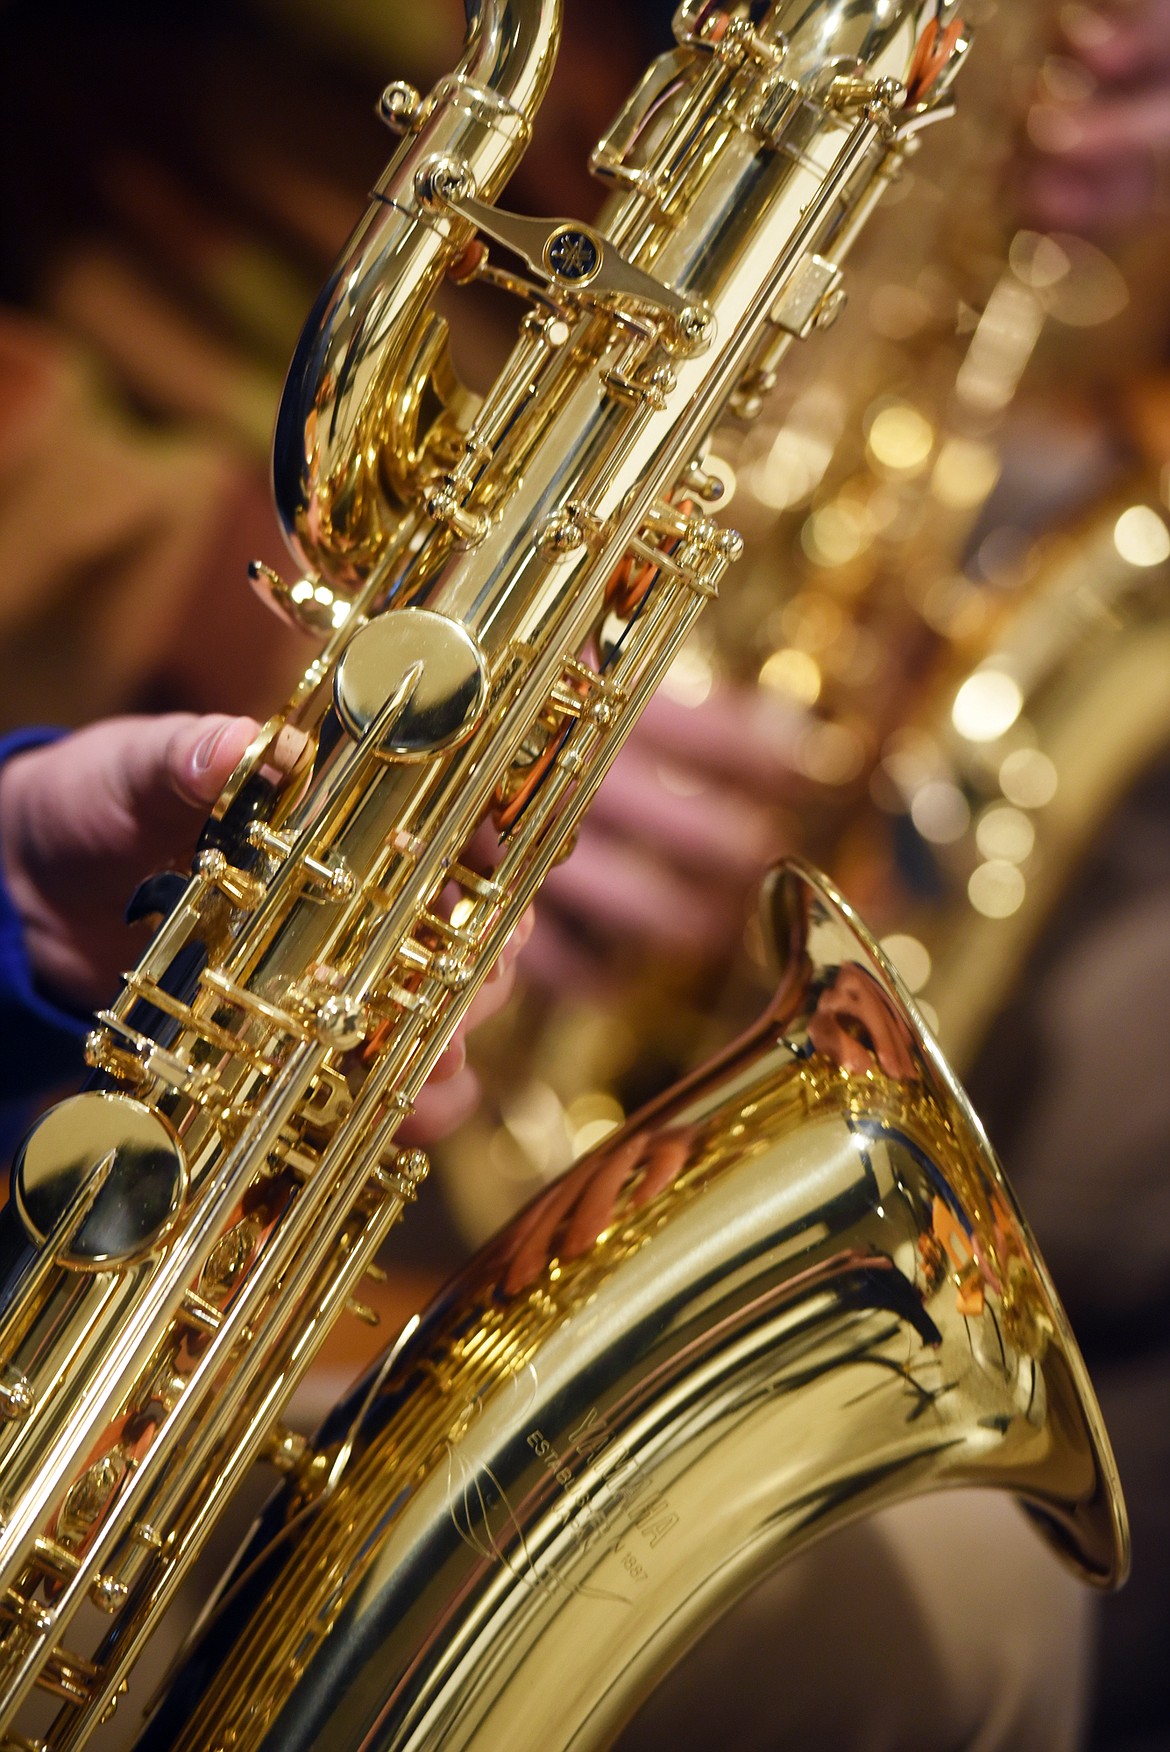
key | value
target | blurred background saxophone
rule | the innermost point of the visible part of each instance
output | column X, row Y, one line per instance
column 947, row 625
column 945, row 668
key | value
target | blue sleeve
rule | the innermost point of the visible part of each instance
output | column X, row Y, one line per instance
column 40, row 1044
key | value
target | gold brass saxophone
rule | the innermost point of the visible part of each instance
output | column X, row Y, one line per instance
column 497, row 590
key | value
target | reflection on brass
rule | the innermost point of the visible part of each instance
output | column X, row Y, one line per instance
column 108, row 1594
column 16, row 1396
column 795, row 1289
column 338, row 924
column 86, row 1500
column 229, row 1258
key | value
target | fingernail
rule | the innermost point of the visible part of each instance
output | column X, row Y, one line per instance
column 206, row 746
column 1053, row 130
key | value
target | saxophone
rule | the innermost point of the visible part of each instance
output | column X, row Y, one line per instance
column 497, row 589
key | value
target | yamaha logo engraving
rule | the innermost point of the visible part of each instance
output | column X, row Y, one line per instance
column 573, row 254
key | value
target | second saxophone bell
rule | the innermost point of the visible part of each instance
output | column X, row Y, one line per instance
column 794, row 1290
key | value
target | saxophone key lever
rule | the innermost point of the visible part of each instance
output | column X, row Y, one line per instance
column 308, row 604
column 399, row 105
column 567, row 255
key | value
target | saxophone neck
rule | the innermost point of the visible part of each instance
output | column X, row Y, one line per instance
column 510, row 51
column 374, row 309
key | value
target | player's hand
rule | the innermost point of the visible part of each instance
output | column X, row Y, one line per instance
column 83, row 820
column 674, row 844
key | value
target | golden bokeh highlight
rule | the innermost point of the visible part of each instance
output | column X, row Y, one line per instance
column 1028, row 778
column 987, row 705
column 794, row 674
column 996, row 889
column 940, row 812
column 835, row 534
column 911, row 958
column 964, row 473
column 1141, row 537
column 690, row 678
column 901, row 439
column 1005, row 832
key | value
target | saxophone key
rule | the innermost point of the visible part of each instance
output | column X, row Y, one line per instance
column 308, row 605
column 108, row 1594
column 326, row 879
column 56, row 1558
column 399, row 106
column 453, row 930
column 253, row 1005
column 31, row 1614
column 415, row 680
column 401, row 997
column 200, row 1313
column 648, row 387
column 243, row 890
column 444, row 505
column 402, row 1173
column 102, row 1053
column 70, row 1676
column 483, row 887
column 141, row 986
column 813, row 298
column 103, row 1175
column 286, row 1449
column 342, row 1022
column 450, row 970
column 567, row 531
column 16, row 1395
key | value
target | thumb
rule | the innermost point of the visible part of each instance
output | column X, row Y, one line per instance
column 201, row 754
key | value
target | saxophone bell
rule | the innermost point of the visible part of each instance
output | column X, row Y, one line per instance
column 794, row 1290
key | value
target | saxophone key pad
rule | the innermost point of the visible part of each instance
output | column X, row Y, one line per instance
column 128, row 1152
column 418, row 677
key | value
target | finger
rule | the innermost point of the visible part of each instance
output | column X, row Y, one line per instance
column 450, row 1061
column 202, row 755
column 714, row 831
column 491, row 996
column 617, row 890
column 141, row 784
column 441, row 1107
column 501, row 981
column 1119, row 42
column 560, row 958
column 1135, row 124
column 739, row 734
